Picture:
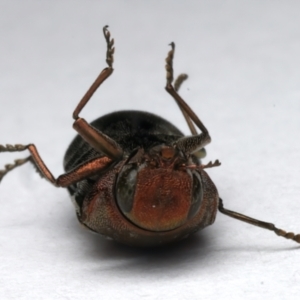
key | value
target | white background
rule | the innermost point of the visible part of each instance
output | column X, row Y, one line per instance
column 244, row 66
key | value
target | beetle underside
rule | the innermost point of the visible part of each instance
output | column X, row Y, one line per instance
column 134, row 176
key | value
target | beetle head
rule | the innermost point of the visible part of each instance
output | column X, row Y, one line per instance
column 156, row 191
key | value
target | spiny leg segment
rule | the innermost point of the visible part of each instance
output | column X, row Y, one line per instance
column 265, row 225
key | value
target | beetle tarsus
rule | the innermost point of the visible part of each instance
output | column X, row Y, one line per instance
column 12, row 148
column 9, row 167
column 287, row 235
column 211, row 164
column 169, row 64
column 179, row 80
column 261, row 224
column 216, row 163
column 110, row 49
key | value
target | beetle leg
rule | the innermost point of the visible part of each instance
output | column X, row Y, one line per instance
column 177, row 84
column 92, row 136
column 265, row 225
column 102, row 76
column 9, row 167
column 198, row 141
column 84, row 170
column 216, row 163
column 179, row 80
column 98, row 140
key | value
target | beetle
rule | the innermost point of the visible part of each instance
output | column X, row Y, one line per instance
column 133, row 176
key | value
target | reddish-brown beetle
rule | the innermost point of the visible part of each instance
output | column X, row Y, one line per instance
column 134, row 176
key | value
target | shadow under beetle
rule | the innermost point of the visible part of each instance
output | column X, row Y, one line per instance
column 134, row 177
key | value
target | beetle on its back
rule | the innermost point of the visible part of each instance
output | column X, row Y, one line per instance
column 134, row 177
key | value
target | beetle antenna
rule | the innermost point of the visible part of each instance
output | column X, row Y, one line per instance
column 110, row 49
column 265, row 225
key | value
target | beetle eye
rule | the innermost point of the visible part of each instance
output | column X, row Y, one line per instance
column 126, row 184
column 196, row 195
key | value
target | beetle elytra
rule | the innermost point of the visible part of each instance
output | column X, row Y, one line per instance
column 133, row 176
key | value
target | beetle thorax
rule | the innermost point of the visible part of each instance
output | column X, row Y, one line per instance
column 155, row 192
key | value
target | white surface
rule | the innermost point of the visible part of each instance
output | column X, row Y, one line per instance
column 244, row 66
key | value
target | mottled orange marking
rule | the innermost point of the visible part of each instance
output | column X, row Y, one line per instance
column 162, row 199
